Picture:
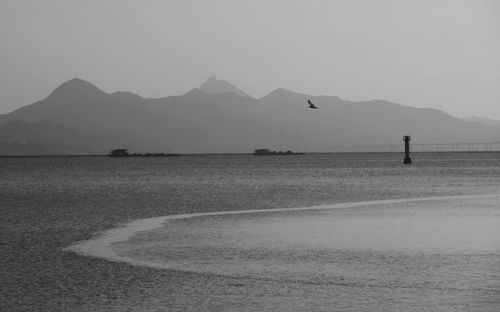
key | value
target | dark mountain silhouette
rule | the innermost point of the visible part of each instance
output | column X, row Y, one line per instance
column 26, row 149
column 379, row 121
column 59, row 139
column 214, row 85
column 78, row 116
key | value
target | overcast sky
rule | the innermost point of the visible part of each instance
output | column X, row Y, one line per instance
column 425, row 53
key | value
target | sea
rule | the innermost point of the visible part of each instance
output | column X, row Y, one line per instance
column 313, row 232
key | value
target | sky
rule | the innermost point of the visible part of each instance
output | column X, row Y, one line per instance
column 443, row 54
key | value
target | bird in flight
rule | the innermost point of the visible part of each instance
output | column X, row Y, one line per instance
column 311, row 105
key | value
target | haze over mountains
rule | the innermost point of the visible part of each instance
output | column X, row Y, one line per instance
column 79, row 118
column 484, row 120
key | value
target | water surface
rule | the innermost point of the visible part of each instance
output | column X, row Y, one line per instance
column 436, row 255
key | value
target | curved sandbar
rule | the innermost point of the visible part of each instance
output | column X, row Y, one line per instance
column 101, row 246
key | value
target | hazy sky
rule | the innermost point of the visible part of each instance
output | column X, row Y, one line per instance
column 425, row 53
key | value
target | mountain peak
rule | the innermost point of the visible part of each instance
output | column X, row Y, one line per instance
column 77, row 87
column 196, row 92
column 214, row 85
column 283, row 95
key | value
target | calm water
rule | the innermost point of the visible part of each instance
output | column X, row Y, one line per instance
column 439, row 255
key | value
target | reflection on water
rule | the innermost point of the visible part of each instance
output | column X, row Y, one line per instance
column 450, row 244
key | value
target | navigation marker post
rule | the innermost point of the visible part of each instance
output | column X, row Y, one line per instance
column 407, row 159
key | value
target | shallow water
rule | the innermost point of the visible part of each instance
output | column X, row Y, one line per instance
column 449, row 246
column 434, row 255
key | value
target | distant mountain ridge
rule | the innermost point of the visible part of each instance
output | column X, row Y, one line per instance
column 59, row 138
column 484, row 120
column 78, row 117
column 214, row 85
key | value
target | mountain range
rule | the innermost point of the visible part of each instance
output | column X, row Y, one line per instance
column 79, row 118
column 484, row 120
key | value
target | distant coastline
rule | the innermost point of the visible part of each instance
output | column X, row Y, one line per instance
column 267, row 152
column 125, row 153
column 243, row 154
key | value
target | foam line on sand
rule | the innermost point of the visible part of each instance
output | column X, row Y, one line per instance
column 101, row 245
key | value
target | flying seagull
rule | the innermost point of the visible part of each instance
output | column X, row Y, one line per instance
column 311, row 105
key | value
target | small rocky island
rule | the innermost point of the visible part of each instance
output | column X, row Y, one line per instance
column 122, row 152
column 265, row 152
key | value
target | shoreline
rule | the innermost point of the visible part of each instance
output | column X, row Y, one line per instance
column 100, row 246
column 249, row 154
